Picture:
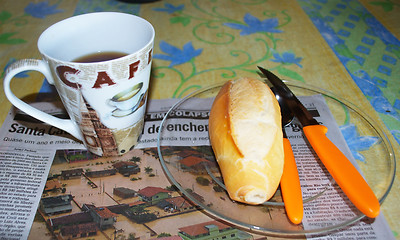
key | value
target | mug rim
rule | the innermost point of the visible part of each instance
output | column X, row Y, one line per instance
column 48, row 30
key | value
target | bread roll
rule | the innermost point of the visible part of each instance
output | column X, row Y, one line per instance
column 246, row 136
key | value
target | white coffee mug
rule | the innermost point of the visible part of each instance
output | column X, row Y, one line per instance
column 89, row 90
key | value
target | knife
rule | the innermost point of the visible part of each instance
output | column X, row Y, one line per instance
column 342, row 170
column 290, row 181
column 290, row 185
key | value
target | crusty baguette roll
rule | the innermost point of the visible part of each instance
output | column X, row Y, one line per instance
column 246, row 136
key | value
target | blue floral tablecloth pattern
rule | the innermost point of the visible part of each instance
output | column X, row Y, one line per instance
column 193, row 16
column 353, row 34
column 377, row 79
column 39, row 10
column 369, row 52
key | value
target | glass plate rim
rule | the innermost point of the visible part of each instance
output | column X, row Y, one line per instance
column 324, row 230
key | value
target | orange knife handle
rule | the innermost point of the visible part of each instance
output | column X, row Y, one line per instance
column 290, row 186
column 343, row 171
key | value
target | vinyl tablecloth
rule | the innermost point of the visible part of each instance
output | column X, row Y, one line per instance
column 348, row 47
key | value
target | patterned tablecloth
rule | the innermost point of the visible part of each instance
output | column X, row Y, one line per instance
column 348, row 47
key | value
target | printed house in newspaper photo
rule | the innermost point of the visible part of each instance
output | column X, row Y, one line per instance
column 124, row 192
column 72, row 173
column 126, row 168
column 212, row 230
column 175, row 204
column 56, row 205
column 153, row 195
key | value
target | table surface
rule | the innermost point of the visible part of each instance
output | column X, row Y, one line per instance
column 350, row 48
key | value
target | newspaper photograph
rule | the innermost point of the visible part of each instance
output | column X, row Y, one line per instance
column 53, row 188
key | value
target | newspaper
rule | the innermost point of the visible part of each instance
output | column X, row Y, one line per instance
column 29, row 150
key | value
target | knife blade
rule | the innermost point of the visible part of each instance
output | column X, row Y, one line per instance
column 342, row 170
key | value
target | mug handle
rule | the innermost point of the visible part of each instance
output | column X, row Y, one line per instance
column 40, row 66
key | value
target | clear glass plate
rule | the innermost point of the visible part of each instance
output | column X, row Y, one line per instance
column 378, row 168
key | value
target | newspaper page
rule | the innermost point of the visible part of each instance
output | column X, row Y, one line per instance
column 44, row 171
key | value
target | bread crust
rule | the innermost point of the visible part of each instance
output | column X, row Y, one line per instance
column 246, row 136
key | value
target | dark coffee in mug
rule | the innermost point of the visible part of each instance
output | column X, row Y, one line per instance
column 99, row 57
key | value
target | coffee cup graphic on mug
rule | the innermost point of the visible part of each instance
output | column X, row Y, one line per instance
column 100, row 65
column 127, row 101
